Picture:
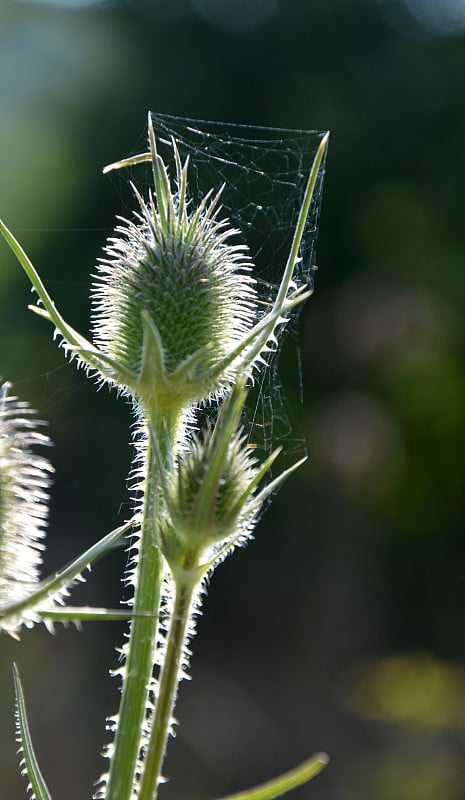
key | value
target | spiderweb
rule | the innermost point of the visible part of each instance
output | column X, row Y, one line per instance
column 264, row 173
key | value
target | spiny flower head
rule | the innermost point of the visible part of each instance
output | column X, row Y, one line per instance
column 175, row 295
column 198, row 530
column 24, row 482
column 211, row 493
column 174, row 319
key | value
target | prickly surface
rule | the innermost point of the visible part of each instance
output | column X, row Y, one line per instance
column 186, row 269
column 24, row 482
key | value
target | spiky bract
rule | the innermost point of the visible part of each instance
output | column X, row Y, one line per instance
column 197, row 527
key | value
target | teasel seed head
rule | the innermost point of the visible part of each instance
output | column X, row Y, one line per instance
column 175, row 295
column 175, row 314
column 24, row 483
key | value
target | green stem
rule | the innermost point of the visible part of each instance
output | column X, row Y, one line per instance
column 143, row 634
column 140, row 652
column 167, row 691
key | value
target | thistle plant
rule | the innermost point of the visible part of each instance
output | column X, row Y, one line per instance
column 175, row 326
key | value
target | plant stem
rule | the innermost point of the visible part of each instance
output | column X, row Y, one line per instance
column 144, row 631
column 167, row 691
column 140, row 651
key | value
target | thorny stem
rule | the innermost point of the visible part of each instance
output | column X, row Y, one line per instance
column 132, row 715
column 142, row 639
column 141, row 645
column 167, row 690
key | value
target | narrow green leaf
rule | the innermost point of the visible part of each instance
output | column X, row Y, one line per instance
column 71, row 336
column 90, row 614
column 29, row 765
column 284, row 783
column 300, row 227
column 254, row 342
column 274, row 485
column 65, row 576
column 254, row 503
column 160, row 177
column 127, row 162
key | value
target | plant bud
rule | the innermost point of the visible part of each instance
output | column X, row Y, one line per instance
column 211, row 494
column 203, row 523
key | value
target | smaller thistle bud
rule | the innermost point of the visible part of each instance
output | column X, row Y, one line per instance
column 24, row 483
column 197, row 529
column 211, row 494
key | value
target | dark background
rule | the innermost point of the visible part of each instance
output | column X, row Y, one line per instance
column 341, row 627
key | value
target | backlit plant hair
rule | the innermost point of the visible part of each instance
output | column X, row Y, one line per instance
column 175, row 325
column 24, row 483
column 25, row 478
column 177, row 280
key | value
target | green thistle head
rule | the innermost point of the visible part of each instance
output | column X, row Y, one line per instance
column 24, row 482
column 212, row 493
column 195, row 532
column 175, row 296
column 175, row 313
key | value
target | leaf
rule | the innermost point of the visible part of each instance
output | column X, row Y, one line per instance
column 303, row 214
column 73, row 340
column 69, row 334
column 128, row 162
column 78, row 614
column 29, row 765
column 283, row 783
column 55, row 585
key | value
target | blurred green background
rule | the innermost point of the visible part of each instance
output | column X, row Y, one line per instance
column 341, row 627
